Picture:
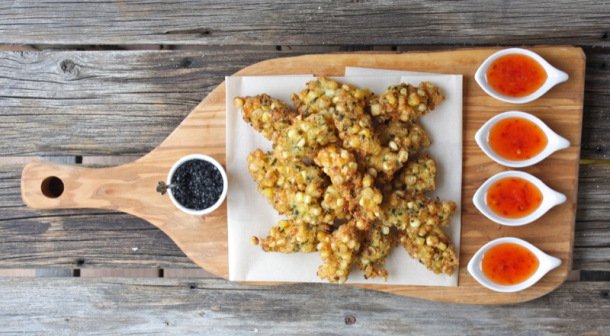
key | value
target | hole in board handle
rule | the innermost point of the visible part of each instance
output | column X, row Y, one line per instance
column 52, row 187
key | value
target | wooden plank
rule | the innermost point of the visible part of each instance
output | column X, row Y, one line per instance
column 129, row 188
column 592, row 236
column 305, row 23
column 17, row 272
column 119, row 272
column 596, row 120
column 597, row 259
column 64, row 103
column 216, row 307
column 185, row 273
column 143, row 95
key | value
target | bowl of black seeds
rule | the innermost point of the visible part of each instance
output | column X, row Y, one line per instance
column 196, row 184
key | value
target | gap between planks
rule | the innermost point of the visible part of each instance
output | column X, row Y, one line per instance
column 110, row 160
column 187, row 273
column 170, row 273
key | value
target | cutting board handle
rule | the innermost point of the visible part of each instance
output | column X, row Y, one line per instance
column 46, row 185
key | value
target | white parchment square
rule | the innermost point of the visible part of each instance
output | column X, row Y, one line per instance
column 249, row 213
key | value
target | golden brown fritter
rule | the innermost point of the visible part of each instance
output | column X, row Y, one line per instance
column 339, row 206
column 419, row 221
column 402, row 210
column 431, row 246
column 304, row 137
column 376, row 245
column 405, row 102
column 321, row 95
column 399, row 136
column 290, row 236
column 385, row 163
column 267, row 115
column 355, row 188
column 417, row 176
column 338, row 251
column 292, row 187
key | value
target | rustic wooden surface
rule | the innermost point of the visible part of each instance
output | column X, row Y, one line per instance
column 215, row 307
column 130, row 188
column 147, row 64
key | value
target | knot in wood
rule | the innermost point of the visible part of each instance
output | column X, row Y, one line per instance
column 350, row 319
column 186, row 62
column 67, row 66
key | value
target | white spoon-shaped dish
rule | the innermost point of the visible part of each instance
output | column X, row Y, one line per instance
column 555, row 142
column 550, row 198
column 554, row 76
column 216, row 164
column 546, row 263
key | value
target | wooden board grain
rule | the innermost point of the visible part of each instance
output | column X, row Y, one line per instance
column 89, row 92
column 131, row 187
column 295, row 22
column 110, row 306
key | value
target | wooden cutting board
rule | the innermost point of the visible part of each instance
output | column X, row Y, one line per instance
column 131, row 187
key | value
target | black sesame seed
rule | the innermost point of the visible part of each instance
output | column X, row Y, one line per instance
column 197, row 184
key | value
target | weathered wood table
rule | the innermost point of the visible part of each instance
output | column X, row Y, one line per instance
column 104, row 83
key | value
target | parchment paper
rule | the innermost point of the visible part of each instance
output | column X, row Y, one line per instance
column 249, row 213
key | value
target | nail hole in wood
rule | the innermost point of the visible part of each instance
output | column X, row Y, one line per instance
column 186, row 62
column 350, row 319
column 52, row 187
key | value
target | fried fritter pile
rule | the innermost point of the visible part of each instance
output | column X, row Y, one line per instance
column 347, row 172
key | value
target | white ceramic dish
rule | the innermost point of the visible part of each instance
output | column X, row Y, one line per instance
column 554, row 76
column 216, row 164
column 550, row 198
column 554, row 141
column 546, row 264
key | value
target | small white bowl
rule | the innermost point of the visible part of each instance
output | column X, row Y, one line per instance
column 546, row 263
column 554, row 141
column 216, row 164
column 554, row 76
column 550, row 198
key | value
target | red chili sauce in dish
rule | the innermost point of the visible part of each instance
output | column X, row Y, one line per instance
column 509, row 264
column 516, row 75
column 513, row 197
column 517, row 139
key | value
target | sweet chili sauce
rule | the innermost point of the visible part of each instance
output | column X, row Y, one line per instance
column 509, row 264
column 517, row 139
column 516, row 75
column 513, row 197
